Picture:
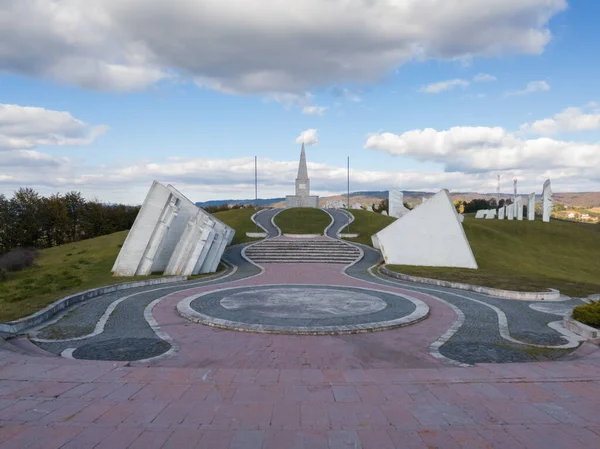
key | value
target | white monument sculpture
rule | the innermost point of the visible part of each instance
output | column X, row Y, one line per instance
column 370, row 208
column 173, row 236
column 480, row 213
column 546, row 201
column 356, row 206
column 302, row 198
column 510, row 211
column 396, row 203
column 519, row 206
column 501, row 212
column 531, row 207
column 384, row 212
column 429, row 235
column 490, row 214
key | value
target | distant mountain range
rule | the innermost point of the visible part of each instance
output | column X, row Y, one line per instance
column 576, row 199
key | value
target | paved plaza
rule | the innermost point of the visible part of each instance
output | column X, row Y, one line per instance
column 233, row 362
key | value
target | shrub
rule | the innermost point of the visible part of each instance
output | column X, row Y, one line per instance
column 3, row 274
column 588, row 314
column 18, row 259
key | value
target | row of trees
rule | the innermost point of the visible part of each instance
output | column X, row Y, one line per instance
column 29, row 220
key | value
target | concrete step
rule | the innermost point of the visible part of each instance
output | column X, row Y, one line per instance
column 306, row 251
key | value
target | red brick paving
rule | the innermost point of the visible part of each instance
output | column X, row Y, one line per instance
column 239, row 390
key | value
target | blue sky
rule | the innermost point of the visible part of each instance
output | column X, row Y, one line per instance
column 421, row 95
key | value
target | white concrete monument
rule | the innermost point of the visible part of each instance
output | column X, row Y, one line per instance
column 490, row 214
column 430, row 235
column 519, row 206
column 384, row 212
column 501, row 212
column 546, row 201
column 302, row 198
column 172, row 235
column 370, row 208
column 396, row 203
column 510, row 211
column 481, row 213
column 356, row 206
column 531, row 207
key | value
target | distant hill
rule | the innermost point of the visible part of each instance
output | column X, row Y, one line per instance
column 576, row 199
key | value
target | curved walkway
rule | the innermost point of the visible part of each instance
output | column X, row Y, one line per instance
column 201, row 386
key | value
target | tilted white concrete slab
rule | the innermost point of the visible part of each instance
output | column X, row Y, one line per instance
column 170, row 235
column 430, row 235
column 480, row 213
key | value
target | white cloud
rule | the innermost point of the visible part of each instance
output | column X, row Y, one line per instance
column 442, row 86
column 484, row 149
column 314, row 110
column 289, row 100
column 308, row 137
column 235, row 47
column 568, row 120
column 205, row 179
column 484, row 77
column 533, row 86
column 25, row 127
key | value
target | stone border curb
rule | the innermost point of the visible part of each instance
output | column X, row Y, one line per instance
column 579, row 328
column 256, row 235
column 551, row 295
column 186, row 311
column 49, row 311
column 302, row 236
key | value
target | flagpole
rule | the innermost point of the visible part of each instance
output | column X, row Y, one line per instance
column 256, row 189
column 348, row 197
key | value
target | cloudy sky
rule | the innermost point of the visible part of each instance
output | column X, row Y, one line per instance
column 103, row 97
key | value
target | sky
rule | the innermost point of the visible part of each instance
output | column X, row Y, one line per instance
column 104, row 97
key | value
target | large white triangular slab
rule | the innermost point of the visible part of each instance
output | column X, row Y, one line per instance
column 429, row 235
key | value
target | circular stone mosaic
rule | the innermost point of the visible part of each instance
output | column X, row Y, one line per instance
column 303, row 309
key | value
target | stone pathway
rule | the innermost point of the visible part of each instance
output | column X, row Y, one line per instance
column 205, row 387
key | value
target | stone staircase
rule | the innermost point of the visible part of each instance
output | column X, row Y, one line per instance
column 321, row 250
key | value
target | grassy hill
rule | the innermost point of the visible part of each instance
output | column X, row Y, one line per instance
column 366, row 224
column 527, row 256
column 239, row 219
column 302, row 220
column 61, row 271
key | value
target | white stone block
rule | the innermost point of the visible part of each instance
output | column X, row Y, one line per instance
column 546, row 201
column 430, row 235
column 510, row 212
column 501, row 212
column 384, row 212
column 531, row 207
column 396, row 203
column 519, row 205
column 480, row 213
column 490, row 214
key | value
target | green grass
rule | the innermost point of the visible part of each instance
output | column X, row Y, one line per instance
column 302, row 220
column 239, row 219
column 527, row 256
column 588, row 314
column 366, row 224
column 62, row 271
